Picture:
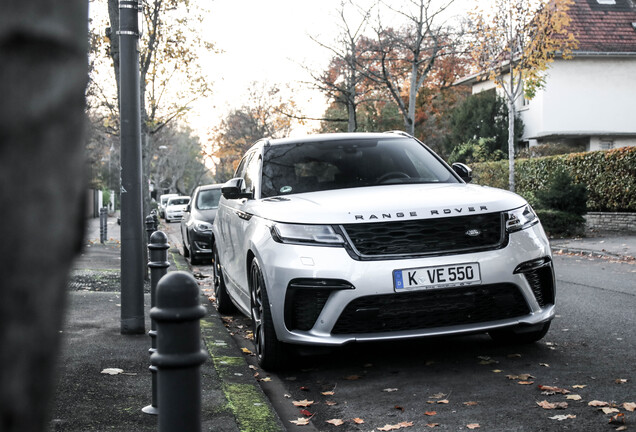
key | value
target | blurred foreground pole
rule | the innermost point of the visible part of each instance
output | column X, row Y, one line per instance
column 132, row 238
column 43, row 76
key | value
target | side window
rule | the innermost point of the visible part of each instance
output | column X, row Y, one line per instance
column 240, row 170
column 252, row 171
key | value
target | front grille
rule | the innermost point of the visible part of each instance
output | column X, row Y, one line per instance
column 430, row 309
column 428, row 236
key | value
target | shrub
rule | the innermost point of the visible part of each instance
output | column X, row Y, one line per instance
column 610, row 176
column 561, row 194
column 558, row 223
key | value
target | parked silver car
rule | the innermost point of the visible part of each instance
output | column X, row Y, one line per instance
column 332, row 239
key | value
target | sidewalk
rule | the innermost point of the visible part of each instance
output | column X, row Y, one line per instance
column 610, row 245
column 89, row 400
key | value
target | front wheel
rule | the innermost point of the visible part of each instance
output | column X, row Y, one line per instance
column 518, row 336
column 270, row 352
column 223, row 302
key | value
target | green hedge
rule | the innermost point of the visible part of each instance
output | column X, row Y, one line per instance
column 610, row 176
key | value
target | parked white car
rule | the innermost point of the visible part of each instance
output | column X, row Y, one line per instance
column 163, row 201
column 338, row 238
column 175, row 207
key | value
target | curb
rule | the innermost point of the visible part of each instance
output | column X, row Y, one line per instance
column 245, row 398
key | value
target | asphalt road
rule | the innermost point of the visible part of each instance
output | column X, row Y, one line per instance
column 471, row 383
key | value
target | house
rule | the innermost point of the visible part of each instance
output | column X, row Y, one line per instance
column 588, row 101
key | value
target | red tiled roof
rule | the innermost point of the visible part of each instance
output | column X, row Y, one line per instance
column 603, row 27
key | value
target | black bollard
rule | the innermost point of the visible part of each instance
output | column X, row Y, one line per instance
column 150, row 226
column 158, row 265
column 179, row 355
column 103, row 224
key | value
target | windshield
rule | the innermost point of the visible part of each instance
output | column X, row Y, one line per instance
column 316, row 166
column 178, row 201
column 208, row 199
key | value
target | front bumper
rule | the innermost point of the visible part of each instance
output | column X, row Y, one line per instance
column 201, row 242
column 321, row 296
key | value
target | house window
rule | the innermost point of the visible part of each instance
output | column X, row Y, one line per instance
column 607, row 144
column 606, row 2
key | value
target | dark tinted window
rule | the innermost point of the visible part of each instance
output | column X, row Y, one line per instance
column 315, row 166
column 208, row 199
column 178, row 201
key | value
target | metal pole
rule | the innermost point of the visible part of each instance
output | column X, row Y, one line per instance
column 132, row 238
column 179, row 355
column 158, row 265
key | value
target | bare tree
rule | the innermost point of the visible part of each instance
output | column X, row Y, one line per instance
column 400, row 60
column 341, row 81
column 43, row 53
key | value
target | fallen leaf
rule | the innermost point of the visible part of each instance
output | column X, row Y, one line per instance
column 552, row 405
column 306, row 413
column 579, row 386
column 266, row 379
column 246, row 351
column 617, row 419
column 471, row 403
column 430, row 413
column 335, row 422
column 608, row 410
column 513, row 355
column 562, row 417
column 331, row 403
column 574, row 397
column 485, row 360
column 327, row 393
column 473, row 426
column 112, row 371
column 620, row 381
column 621, row 428
column 432, row 425
column 443, row 401
column 629, row 406
column 544, row 365
column 525, row 382
column 303, row 388
column 358, row 420
column 549, row 390
column 523, row 377
column 497, row 370
column 390, row 390
column 438, row 396
column 400, row 425
column 300, row 422
column 597, row 403
column 399, row 408
column 303, row 403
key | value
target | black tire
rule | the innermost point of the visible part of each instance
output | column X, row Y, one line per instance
column 271, row 353
column 194, row 258
column 223, row 302
column 510, row 336
column 186, row 251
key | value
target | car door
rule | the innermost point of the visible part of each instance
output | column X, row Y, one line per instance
column 234, row 219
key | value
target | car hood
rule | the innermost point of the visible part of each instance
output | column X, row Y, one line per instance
column 176, row 207
column 205, row 215
column 385, row 203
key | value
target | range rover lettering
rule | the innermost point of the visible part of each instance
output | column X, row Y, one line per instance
column 338, row 238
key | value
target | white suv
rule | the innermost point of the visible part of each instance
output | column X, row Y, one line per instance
column 336, row 238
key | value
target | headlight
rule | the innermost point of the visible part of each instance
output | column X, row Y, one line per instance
column 521, row 218
column 309, row 234
column 202, row 227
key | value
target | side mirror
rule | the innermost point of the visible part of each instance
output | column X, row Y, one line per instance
column 232, row 189
column 187, row 209
column 463, row 171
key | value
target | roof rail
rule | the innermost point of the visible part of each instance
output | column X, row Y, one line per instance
column 399, row 132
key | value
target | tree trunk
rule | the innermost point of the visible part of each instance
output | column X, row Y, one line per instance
column 511, row 134
column 43, row 53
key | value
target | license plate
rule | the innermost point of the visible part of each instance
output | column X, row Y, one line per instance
column 436, row 277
